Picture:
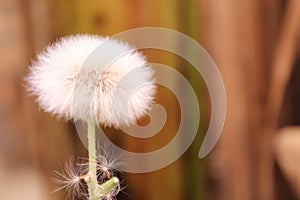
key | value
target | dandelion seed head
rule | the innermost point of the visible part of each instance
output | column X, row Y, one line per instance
column 68, row 90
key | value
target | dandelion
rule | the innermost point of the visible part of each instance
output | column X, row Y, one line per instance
column 113, row 86
column 67, row 89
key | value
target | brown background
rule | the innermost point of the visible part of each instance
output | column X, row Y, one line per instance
column 255, row 44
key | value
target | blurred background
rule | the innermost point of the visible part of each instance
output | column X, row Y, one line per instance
column 255, row 44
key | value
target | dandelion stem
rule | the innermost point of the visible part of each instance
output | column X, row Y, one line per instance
column 107, row 187
column 96, row 190
column 92, row 180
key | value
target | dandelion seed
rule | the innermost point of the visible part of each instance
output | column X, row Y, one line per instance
column 108, row 162
column 71, row 180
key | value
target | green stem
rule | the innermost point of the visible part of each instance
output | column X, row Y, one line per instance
column 107, row 187
column 96, row 190
column 92, row 180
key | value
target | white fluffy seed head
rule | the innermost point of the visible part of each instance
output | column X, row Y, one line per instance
column 71, row 84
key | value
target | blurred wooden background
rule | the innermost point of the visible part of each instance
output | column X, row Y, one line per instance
column 255, row 44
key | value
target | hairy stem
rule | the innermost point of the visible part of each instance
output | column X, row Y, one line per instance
column 96, row 190
column 92, row 180
column 107, row 187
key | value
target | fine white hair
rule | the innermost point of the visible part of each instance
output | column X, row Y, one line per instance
column 72, row 79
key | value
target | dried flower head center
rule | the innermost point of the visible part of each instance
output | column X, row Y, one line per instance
column 108, row 80
column 105, row 80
